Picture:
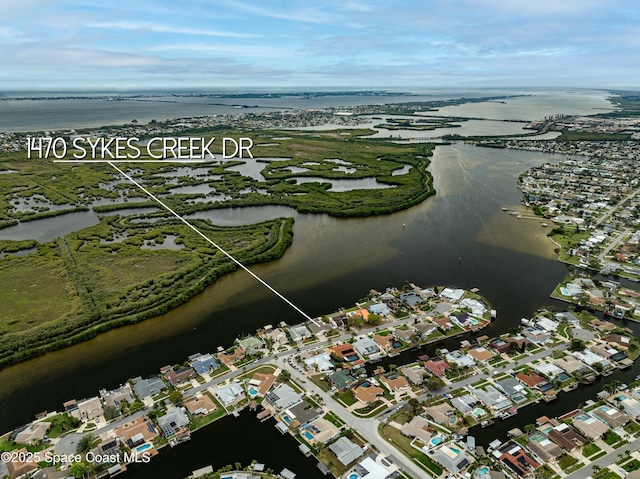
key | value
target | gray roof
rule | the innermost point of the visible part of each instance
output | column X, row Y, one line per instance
column 342, row 379
column 510, row 386
column 283, row 396
column 172, row 421
column 464, row 404
column 204, row 364
column 303, row 412
column 346, row 451
column 148, row 387
column 452, row 459
column 366, row 346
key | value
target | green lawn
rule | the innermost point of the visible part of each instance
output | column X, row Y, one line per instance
column 566, row 461
column 590, row 449
column 347, row 397
column 395, row 437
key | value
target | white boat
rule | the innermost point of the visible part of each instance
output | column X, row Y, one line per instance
column 519, row 217
column 544, row 224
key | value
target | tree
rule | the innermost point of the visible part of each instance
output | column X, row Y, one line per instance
column 78, row 469
column 529, row 428
column 111, row 412
column 84, row 444
column 285, row 375
column 374, row 319
column 433, row 384
column 176, row 398
column 577, row 345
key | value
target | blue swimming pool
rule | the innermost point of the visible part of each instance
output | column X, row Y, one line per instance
column 144, row 447
column 286, row 419
column 483, row 470
column 354, row 476
column 253, row 391
column 436, row 440
column 308, row 435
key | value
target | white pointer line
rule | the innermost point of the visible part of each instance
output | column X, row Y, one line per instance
column 214, row 244
column 130, row 161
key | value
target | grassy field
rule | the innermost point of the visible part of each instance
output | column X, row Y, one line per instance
column 34, row 290
column 121, row 271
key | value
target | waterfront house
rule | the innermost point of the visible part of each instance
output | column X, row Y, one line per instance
column 347, row 354
column 589, row 426
column 367, row 392
column 437, row 367
column 262, row 382
column 230, row 394
column 137, row 431
column 512, row 388
column 441, row 413
column 117, row 396
column 204, row 364
column 629, row 405
column 395, row 382
column 411, row 299
column 491, row 397
column 277, row 335
column 419, row 428
column 461, row 319
column 346, row 451
column 231, row 356
column 282, row 397
column 404, row 335
column 453, row 459
column 299, row 332
column 88, row 410
column 33, row 433
column 374, row 466
column 443, row 323
column 342, row 379
column 459, row 359
column 424, row 330
column 172, row 422
column 414, row 374
column 301, row 414
column 148, row 387
column 591, row 359
column 367, row 347
column 452, row 294
column 500, row 346
column 465, row 404
column 480, row 354
column 549, row 370
column 619, row 340
column 613, row 417
column 176, row 377
column 385, row 342
column 201, row 404
column 251, row 344
column 566, row 437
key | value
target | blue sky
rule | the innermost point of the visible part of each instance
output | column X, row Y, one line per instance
column 331, row 43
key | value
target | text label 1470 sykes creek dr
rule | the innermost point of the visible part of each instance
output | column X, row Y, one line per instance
column 128, row 148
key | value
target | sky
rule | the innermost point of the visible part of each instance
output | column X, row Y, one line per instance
column 355, row 44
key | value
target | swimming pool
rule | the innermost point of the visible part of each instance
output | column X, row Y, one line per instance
column 286, row 419
column 483, row 470
column 436, row 440
column 457, row 451
column 354, row 476
column 477, row 412
column 453, row 420
column 144, row 447
column 308, row 435
column 253, row 391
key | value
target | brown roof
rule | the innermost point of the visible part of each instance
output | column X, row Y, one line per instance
column 266, row 381
column 532, row 379
column 480, row 354
column 137, row 426
column 18, row 468
column 622, row 341
column 230, row 358
column 385, row 342
column 437, row 367
column 180, row 376
column 367, row 394
column 204, row 402
column 566, row 437
column 520, row 462
column 444, row 323
column 398, row 382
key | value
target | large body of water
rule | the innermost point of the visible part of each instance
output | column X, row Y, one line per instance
column 62, row 113
column 458, row 237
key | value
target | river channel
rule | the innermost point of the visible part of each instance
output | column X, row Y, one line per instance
column 458, row 237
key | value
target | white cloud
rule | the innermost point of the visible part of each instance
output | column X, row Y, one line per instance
column 154, row 27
